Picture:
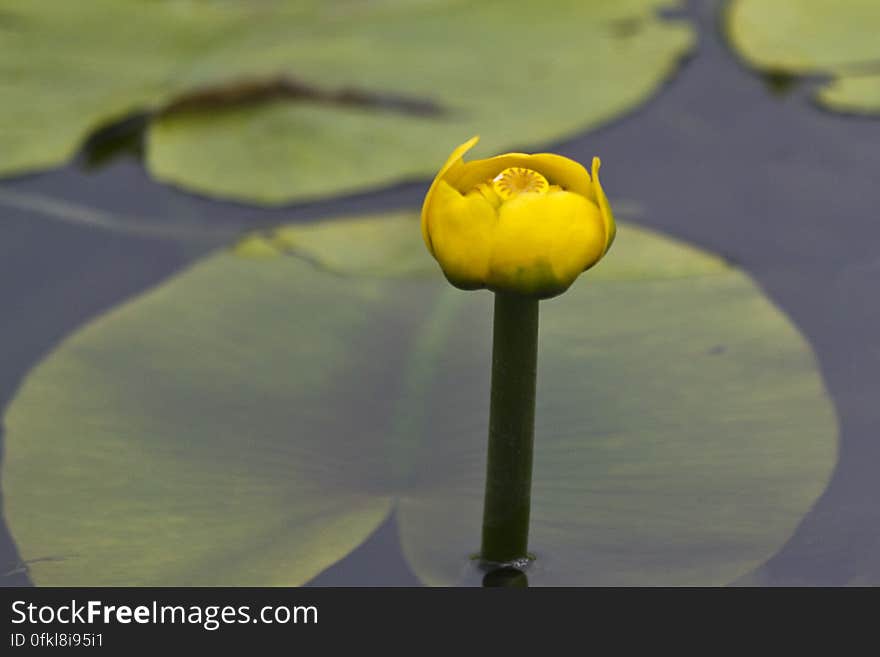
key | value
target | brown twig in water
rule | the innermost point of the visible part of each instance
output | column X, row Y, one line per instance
column 248, row 91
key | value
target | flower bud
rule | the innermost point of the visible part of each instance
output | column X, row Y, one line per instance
column 516, row 223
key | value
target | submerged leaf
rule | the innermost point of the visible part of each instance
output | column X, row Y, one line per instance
column 252, row 420
column 285, row 100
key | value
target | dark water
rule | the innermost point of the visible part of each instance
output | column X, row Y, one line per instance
column 741, row 166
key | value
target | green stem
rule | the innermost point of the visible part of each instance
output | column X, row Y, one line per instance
column 511, row 429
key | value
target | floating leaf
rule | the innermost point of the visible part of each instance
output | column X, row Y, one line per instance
column 385, row 248
column 854, row 94
column 67, row 68
column 284, row 100
column 252, row 420
column 837, row 38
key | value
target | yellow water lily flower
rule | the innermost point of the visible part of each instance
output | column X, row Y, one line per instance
column 516, row 223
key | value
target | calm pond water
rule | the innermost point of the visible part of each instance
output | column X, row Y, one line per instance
column 784, row 190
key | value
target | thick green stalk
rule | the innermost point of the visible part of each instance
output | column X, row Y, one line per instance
column 511, row 429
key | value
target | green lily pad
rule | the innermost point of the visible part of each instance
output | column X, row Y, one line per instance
column 384, row 87
column 253, row 419
column 853, row 94
column 67, row 68
column 837, row 38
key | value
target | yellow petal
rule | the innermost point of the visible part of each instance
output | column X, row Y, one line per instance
column 604, row 206
column 462, row 231
column 558, row 170
column 452, row 164
column 543, row 242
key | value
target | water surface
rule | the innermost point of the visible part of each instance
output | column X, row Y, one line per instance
column 786, row 191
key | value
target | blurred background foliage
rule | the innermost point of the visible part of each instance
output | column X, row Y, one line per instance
column 276, row 101
column 835, row 40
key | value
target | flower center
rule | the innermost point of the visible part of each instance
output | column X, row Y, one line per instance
column 517, row 180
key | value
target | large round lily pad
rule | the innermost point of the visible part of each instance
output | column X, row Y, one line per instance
column 836, row 38
column 253, row 419
column 287, row 99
